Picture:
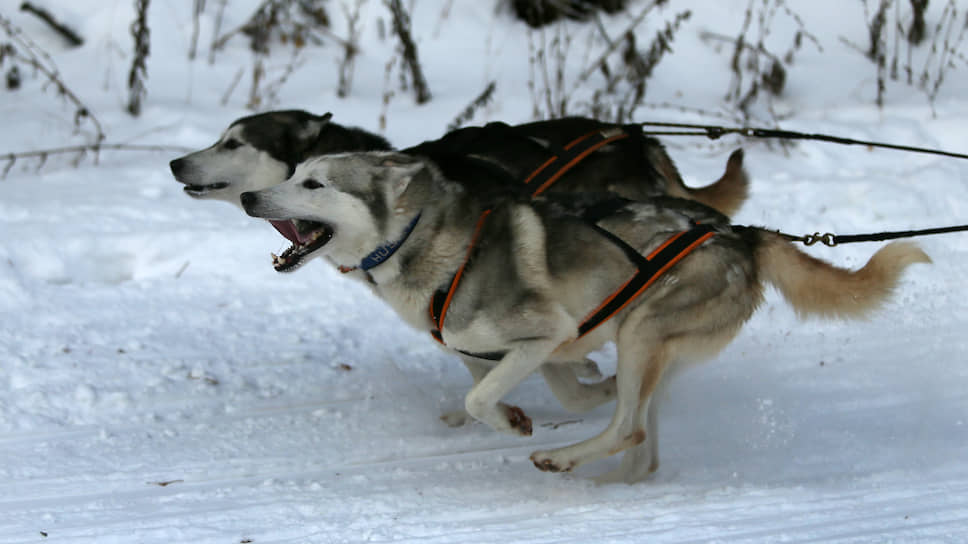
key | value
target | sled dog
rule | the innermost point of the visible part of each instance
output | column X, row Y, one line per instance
column 263, row 150
column 521, row 284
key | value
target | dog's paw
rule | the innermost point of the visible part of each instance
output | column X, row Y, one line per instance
column 518, row 421
column 501, row 417
column 457, row 418
column 545, row 462
column 587, row 370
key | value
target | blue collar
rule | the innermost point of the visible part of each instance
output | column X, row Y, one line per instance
column 379, row 255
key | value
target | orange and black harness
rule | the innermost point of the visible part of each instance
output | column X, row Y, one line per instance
column 571, row 154
column 649, row 267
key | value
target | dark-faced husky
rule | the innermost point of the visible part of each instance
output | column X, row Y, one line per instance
column 262, row 150
column 515, row 283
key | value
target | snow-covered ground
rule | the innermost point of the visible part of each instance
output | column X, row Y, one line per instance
column 160, row 383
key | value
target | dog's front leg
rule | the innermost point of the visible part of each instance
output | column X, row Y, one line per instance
column 483, row 401
column 562, row 379
column 478, row 370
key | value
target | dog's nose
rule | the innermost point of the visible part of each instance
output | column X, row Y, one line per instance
column 177, row 166
column 248, row 199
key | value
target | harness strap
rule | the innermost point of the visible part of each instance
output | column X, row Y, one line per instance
column 542, row 179
column 651, row 268
column 440, row 302
column 572, row 154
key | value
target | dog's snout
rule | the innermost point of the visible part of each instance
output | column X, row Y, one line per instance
column 177, row 167
column 248, row 200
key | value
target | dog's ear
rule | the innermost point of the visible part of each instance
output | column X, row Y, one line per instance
column 402, row 169
column 319, row 124
column 312, row 132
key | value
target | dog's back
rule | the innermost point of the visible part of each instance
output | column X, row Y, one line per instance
column 575, row 155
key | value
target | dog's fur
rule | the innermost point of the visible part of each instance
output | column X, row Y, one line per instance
column 262, row 150
column 540, row 267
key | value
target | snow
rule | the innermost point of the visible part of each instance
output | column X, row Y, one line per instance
column 160, row 383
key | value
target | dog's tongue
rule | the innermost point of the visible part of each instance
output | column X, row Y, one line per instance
column 288, row 229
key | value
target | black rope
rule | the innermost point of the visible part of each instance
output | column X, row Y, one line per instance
column 832, row 240
column 715, row 132
column 828, row 239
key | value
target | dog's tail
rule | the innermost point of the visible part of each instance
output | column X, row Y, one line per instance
column 726, row 194
column 814, row 287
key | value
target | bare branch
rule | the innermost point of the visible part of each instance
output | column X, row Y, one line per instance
column 231, row 88
column 197, row 8
column 388, row 93
column 350, row 48
column 875, row 29
column 600, row 61
column 401, row 25
column 72, row 37
column 142, row 47
column 219, row 14
column 81, row 150
column 468, row 112
column 25, row 50
column 273, row 15
column 918, row 27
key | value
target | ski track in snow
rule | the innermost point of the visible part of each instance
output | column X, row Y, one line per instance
column 160, row 383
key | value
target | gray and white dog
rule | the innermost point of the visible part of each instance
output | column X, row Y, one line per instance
column 519, row 281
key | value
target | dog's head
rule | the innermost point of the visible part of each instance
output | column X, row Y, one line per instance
column 253, row 153
column 263, row 150
column 343, row 206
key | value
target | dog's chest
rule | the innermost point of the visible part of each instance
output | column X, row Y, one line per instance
column 409, row 303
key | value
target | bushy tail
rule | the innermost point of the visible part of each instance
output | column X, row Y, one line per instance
column 815, row 287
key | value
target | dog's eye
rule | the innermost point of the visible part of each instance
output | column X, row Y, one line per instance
column 312, row 184
column 231, row 143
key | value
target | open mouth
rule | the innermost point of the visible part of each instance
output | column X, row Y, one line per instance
column 200, row 190
column 306, row 237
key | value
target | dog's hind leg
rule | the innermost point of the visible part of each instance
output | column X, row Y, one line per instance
column 641, row 361
column 639, row 462
column 574, row 395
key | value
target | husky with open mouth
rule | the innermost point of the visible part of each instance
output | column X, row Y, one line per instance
column 522, row 284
